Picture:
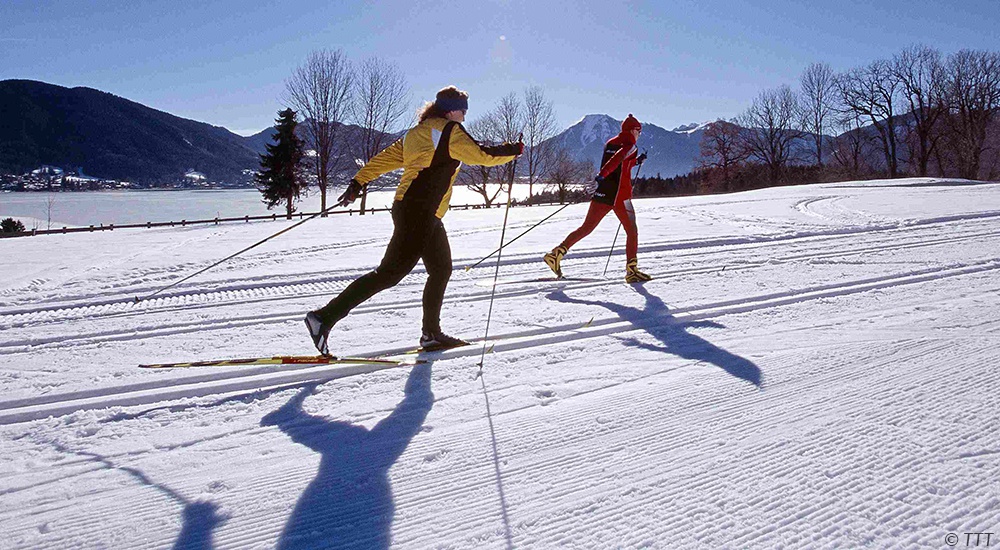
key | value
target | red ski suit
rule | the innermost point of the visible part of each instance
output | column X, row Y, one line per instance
column 614, row 193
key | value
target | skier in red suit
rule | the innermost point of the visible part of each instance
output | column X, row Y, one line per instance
column 612, row 190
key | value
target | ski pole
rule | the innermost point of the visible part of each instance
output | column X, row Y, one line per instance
column 496, row 274
column 610, row 252
column 285, row 230
column 468, row 267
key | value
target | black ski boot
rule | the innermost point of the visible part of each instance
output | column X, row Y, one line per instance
column 433, row 341
column 319, row 332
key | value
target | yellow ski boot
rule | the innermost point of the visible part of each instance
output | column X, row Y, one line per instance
column 632, row 273
column 554, row 259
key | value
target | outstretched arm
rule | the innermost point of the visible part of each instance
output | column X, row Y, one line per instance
column 387, row 160
column 465, row 149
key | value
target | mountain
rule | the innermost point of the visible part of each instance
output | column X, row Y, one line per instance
column 107, row 136
column 671, row 152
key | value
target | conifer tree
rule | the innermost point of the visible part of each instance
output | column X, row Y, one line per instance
column 281, row 177
column 10, row 225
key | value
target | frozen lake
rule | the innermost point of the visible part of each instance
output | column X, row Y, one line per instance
column 124, row 207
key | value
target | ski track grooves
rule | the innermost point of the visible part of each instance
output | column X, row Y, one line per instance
column 261, row 292
column 134, row 333
column 527, row 464
column 241, row 379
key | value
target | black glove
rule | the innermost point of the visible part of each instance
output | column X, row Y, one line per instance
column 591, row 188
column 641, row 159
column 350, row 194
column 506, row 149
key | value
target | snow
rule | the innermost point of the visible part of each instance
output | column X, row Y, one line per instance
column 596, row 128
column 813, row 367
column 691, row 128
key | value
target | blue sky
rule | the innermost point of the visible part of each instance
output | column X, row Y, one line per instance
column 670, row 62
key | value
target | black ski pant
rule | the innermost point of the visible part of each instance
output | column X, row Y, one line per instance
column 417, row 235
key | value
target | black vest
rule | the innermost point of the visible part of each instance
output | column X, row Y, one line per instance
column 427, row 190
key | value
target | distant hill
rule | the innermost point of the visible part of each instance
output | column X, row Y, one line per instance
column 110, row 137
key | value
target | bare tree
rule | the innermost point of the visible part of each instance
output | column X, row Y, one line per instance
column 50, row 201
column 973, row 89
column 920, row 73
column 320, row 90
column 873, row 92
column 723, row 149
column 380, row 101
column 479, row 178
column 818, row 94
column 850, row 147
column 566, row 172
column 508, row 119
column 770, row 133
column 540, row 126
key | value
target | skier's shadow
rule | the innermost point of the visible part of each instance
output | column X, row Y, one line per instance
column 199, row 518
column 349, row 503
column 655, row 318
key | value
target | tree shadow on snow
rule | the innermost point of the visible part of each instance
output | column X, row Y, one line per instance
column 349, row 503
column 655, row 318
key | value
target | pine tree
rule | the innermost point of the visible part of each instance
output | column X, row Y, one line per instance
column 281, row 176
column 10, row 225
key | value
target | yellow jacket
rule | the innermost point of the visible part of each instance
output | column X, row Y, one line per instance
column 423, row 184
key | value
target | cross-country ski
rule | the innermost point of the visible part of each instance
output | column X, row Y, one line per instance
column 285, row 360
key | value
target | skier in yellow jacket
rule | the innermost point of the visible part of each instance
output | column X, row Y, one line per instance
column 429, row 154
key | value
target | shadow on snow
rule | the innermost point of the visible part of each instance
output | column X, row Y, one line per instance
column 655, row 318
column 349, row 503
column 199, row 518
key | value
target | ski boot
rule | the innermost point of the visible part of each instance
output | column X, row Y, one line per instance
column 437, row 340
column 319, row 332
column 554, row 259
column 632, row 273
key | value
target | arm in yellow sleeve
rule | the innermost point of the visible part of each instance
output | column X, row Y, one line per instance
column 463, row 148
column 387, row 160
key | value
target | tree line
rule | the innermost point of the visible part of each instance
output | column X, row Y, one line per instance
column 917, row 113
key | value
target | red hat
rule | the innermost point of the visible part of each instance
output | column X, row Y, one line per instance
column 631, row 123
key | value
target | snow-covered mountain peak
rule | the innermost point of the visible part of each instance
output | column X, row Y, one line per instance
column 596, row 128
column 690, row 128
